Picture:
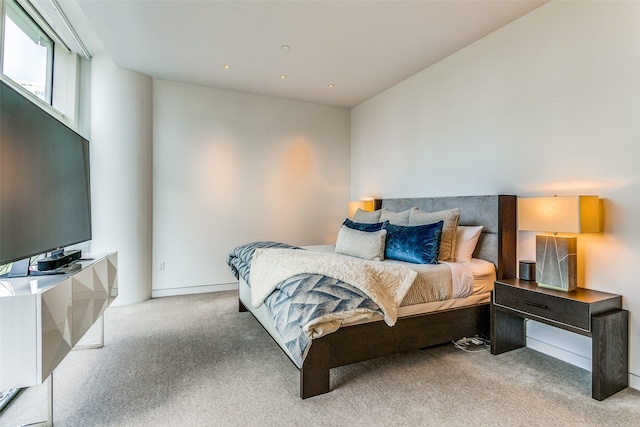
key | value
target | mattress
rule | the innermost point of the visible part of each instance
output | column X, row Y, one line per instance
column 484, row 275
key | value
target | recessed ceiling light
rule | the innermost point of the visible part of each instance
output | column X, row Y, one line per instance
column 227, row 66
column 331, row 85
column 282, row 76
column 284, row 47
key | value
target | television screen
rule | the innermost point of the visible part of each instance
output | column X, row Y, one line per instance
column 44, row 180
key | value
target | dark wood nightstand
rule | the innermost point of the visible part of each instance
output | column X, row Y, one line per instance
column 595, row 314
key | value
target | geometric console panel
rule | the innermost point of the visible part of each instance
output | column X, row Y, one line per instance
column 93, row 290
column 43, row 317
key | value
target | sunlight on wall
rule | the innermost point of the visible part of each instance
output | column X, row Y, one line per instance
column 295, row 169
column 217, row 170
column 292, row 177
column 299, row 158
column 295, row 187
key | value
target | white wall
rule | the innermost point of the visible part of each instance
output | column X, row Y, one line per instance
column 120, row 148
column 230, row 168
column 550, row 104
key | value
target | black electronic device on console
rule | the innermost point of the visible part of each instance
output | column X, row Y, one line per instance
column 527, row 270
column 58, row 259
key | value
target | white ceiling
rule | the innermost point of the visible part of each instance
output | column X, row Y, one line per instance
column 362, row 47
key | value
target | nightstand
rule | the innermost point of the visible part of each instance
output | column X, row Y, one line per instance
column 595, row 314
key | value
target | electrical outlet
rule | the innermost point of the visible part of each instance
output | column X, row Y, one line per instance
column 161, row 266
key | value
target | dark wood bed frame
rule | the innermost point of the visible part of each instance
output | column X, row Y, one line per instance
column 366, row 341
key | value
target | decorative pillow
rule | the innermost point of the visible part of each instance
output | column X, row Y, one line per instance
column 364, row 226
column 466, row 240
column 361, row 244
column 396, row 218
column 367, row 217
column 450, row 218
column 419, row 244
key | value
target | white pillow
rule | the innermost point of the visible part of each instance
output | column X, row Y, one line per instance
column 466, row 241
column 396, row 218
column 366, row 217
column 361, row 244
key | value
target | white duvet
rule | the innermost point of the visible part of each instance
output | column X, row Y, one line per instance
column 385, row 283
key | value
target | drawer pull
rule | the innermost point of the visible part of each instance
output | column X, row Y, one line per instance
column 535, row 304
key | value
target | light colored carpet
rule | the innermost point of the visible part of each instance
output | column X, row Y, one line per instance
column 195, row 361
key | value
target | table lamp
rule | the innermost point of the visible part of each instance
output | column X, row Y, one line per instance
column 365, row 205
column 556, row 256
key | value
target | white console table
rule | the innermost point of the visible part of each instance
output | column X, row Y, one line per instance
column 43, row 317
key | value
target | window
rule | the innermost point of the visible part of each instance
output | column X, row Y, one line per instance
column 27, row 52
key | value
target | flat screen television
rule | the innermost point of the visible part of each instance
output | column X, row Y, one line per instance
column 45, row 196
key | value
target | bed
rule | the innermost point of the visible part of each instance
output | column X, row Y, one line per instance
column 430, row 325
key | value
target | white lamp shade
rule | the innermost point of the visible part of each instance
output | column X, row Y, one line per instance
column 564, row 214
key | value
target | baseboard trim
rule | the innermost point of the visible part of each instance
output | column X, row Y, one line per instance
column 572, row 358
column 634, row 381
column 559, row 353
column 159, row 293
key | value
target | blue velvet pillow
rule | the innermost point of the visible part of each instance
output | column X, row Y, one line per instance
column 418, row 244
column 360, row 226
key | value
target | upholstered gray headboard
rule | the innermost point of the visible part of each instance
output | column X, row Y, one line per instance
column 497, row 214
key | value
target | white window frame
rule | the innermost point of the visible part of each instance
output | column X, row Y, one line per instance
column 65, row 73
column 19, row 13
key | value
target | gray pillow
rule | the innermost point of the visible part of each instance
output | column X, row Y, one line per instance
column 396, row 218
column 361, row 244
column 449, row 228
column 366, row 217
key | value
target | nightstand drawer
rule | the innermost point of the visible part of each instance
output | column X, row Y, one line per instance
column 562, row 310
